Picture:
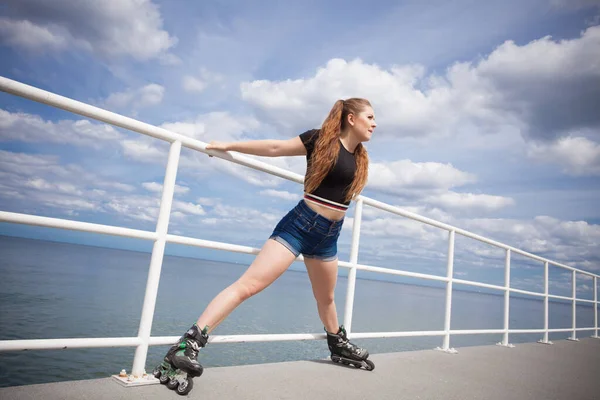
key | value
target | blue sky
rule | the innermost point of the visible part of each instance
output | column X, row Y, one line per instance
column 487, row 117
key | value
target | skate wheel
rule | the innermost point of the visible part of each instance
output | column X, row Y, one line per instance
column 156, row 372
column 163, row 379
column 335, row 359
column 185, row 387
column 370, row 366
column 172, row 384
column 357, row 366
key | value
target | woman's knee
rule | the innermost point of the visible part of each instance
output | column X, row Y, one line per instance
column 247, row 289
column 324, row 299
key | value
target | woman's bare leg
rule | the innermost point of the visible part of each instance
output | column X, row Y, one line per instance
column 269, row 264
column 323, row 277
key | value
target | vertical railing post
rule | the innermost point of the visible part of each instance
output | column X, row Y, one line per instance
column 574, row 306
column 450, row 273
column 545, row 339
column 506, row 300
column 353, row 260
column 596, row 307
column 158, row 251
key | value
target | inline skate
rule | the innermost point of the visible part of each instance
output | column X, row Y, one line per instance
column 347, row 353
column 181, row 364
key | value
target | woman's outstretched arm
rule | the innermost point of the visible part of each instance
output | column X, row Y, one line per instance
column 265, row 148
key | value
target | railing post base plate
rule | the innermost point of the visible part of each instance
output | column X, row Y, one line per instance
column 131, row 381
column 572, row 339
column 450, row 350
column 545, row 342
column 595, row 337
column 509, row 345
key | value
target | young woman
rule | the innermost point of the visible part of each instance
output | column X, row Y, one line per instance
column 337, row 167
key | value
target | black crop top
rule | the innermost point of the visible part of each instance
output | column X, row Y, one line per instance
column 332, row 190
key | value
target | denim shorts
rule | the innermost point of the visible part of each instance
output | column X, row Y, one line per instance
column 303, row 231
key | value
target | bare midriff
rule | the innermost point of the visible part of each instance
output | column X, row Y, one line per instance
column 328, row 213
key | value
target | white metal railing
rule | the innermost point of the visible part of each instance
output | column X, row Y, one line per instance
column 161, row 236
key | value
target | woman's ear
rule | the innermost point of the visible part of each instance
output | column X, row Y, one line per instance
column 350, row 119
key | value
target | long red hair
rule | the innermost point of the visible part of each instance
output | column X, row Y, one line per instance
column 326, row 149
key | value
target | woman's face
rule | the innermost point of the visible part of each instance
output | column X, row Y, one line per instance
column 364, row 124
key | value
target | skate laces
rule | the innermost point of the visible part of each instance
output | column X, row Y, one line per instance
column 345, row 342
column 193, row 347
column 352, row 347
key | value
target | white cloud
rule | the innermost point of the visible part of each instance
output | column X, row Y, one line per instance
column 25, row 35
column 41, row 181
column 218, row 125
column 32, row 128
column 36, row 181
column 142, row 208
column 577, row 155
column 146, row 150
column 397, row 176
column 256, row 178
column 571, row 242
column 191, row 84
column 281, row 194
column 109, row 28
column 575, row 4
column 544, row 88
column 188, row 208
column 469, row 202
column 145, row 96
column 62, row 187
column 158, row 187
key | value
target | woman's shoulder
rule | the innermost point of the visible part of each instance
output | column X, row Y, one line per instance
column 310, row 134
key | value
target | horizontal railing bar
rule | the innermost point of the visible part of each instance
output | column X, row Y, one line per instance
column 484, row 285
column 585, row 301
column 390, row 271
column 476, row 331
column 375, row 335
column 209, row 244
column 17, row 218
column 79, row 343
column 571, row 329
column 553, row 296
column 278, row 337
column 53, row 344
column 527, row 292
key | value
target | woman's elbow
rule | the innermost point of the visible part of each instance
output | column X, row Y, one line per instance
column 275, row 149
